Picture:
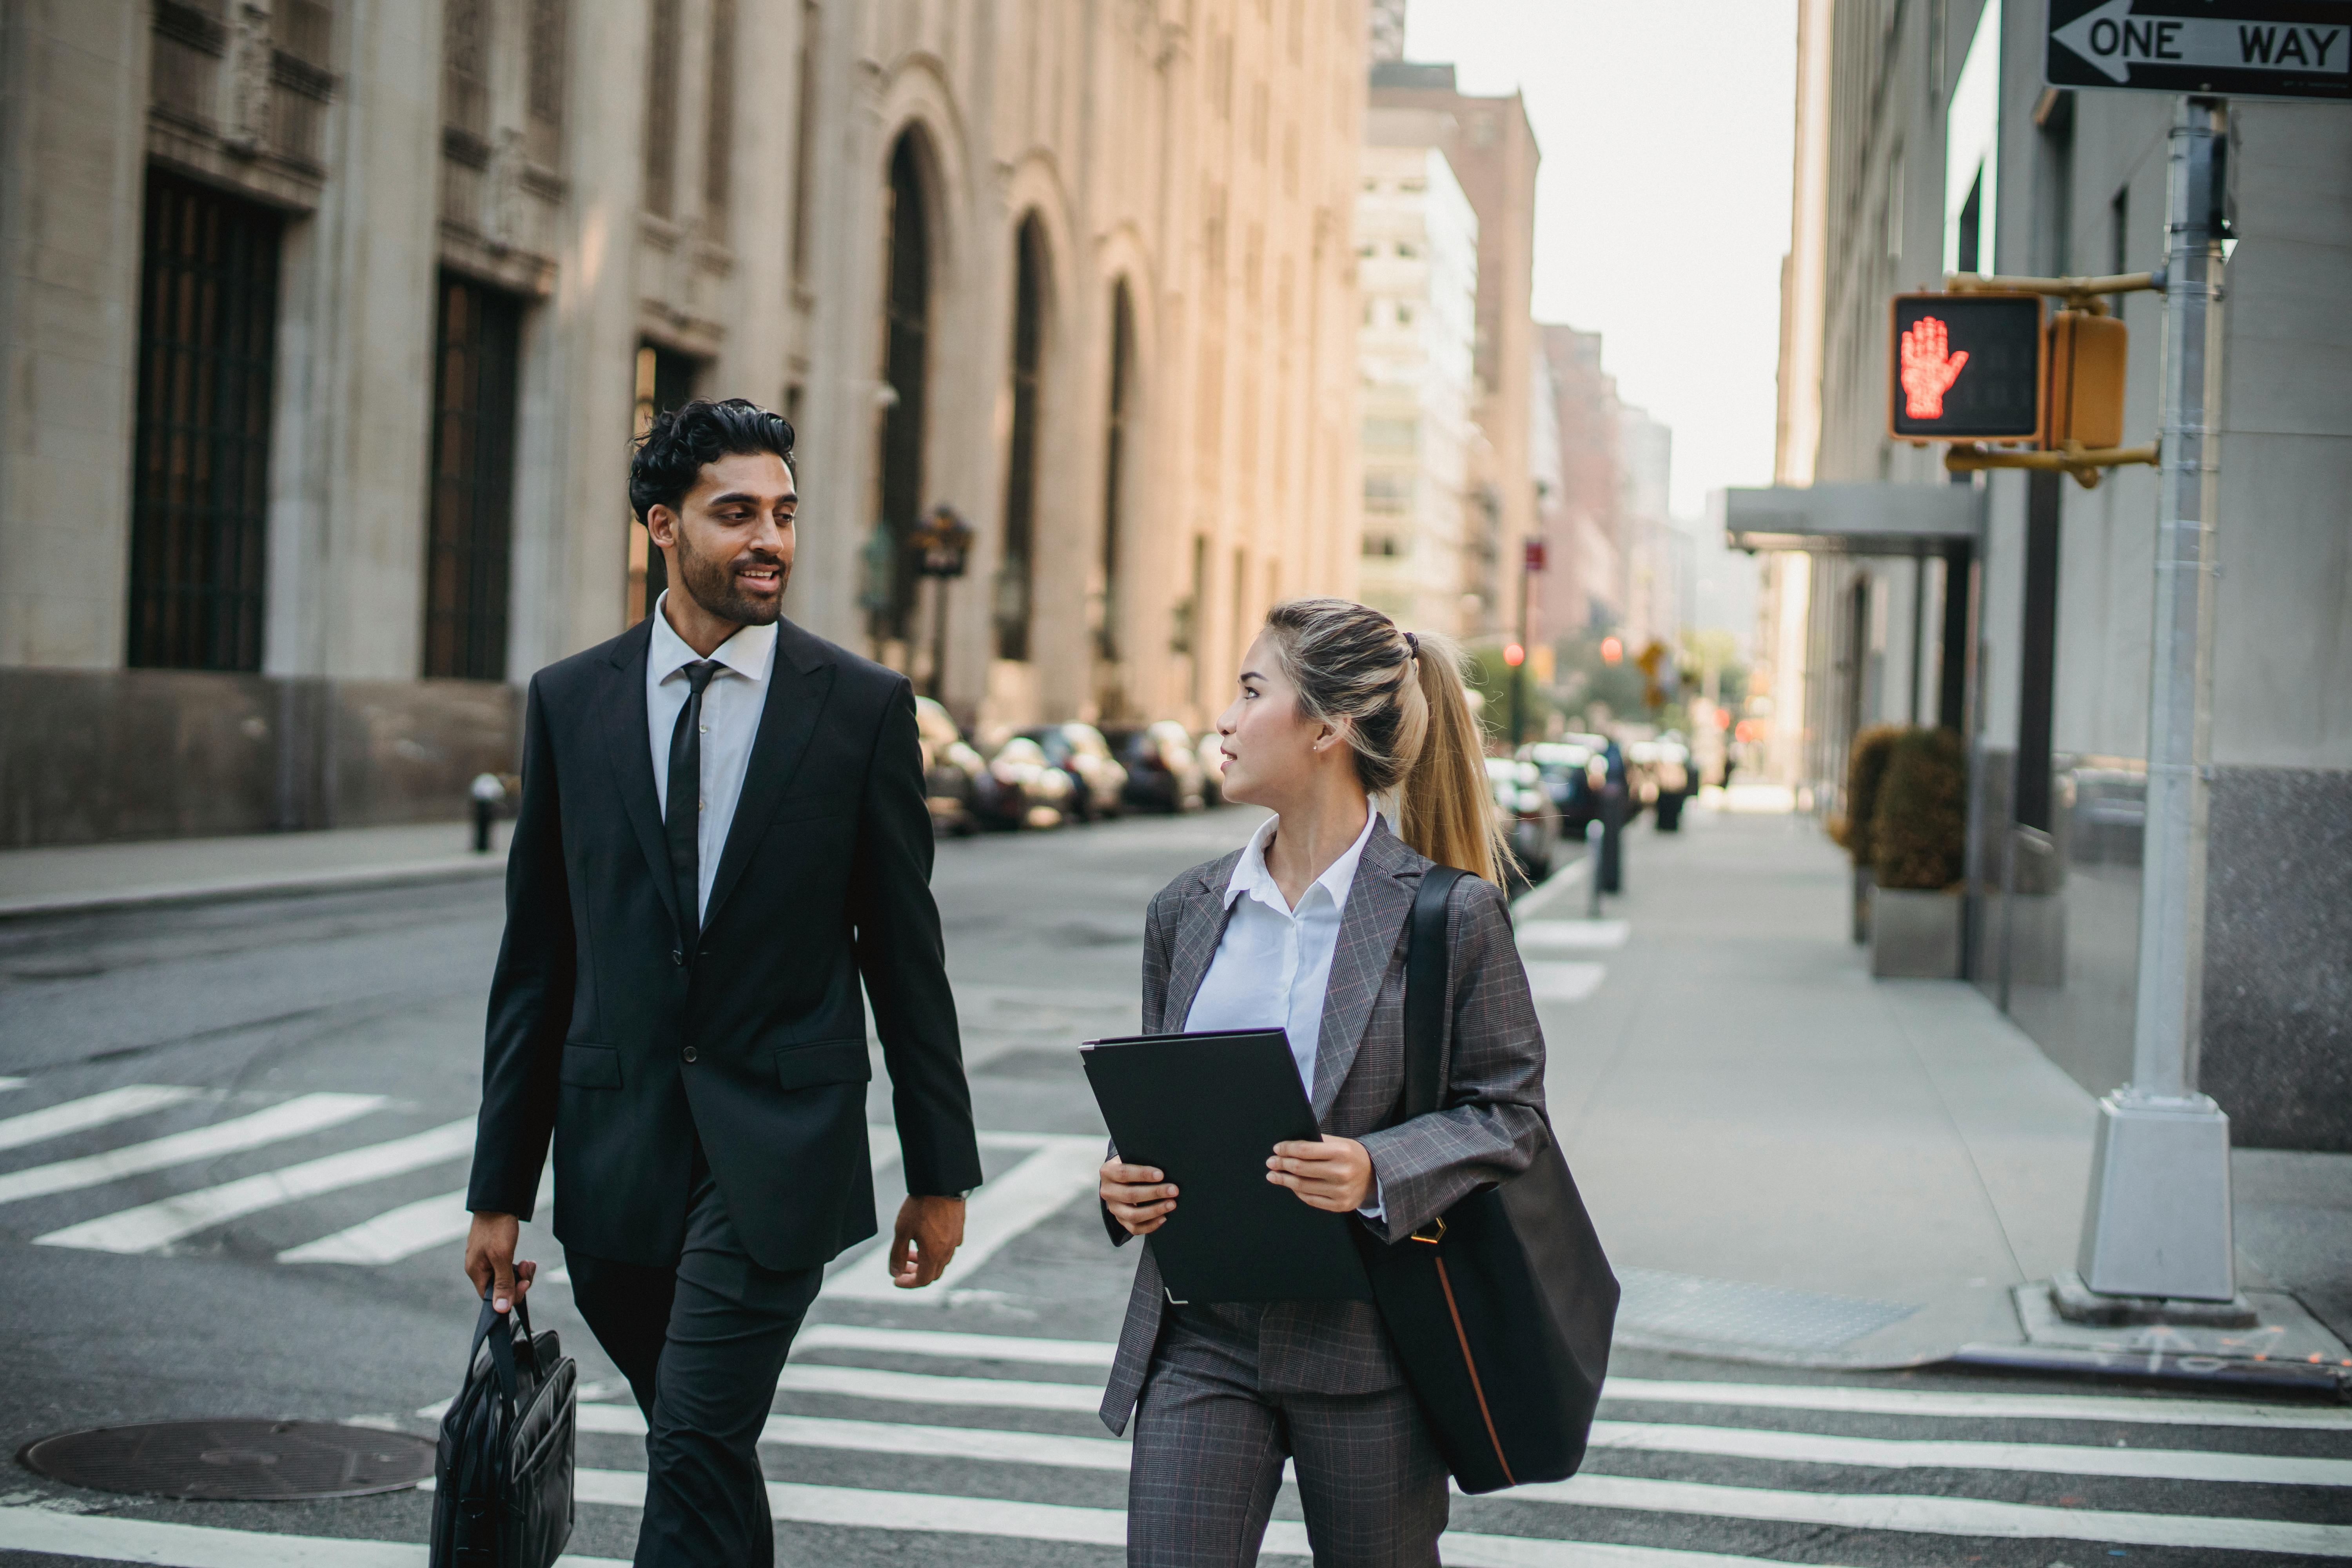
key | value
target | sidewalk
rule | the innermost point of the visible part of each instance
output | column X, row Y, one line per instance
column 1790, row 1161
column 86, row 878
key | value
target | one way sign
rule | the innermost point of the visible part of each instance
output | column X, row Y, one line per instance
column 2237, row 48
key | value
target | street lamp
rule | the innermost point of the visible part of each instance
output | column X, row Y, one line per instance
column 942, row 547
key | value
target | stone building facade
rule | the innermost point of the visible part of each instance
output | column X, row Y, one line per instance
column 326, row 326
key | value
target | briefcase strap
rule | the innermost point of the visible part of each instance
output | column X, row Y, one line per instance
column 1426, row 965
column 494, row 1326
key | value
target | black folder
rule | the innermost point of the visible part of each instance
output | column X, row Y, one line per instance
column 1208, row 1110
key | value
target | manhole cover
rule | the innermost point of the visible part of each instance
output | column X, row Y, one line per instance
column 244, row 1461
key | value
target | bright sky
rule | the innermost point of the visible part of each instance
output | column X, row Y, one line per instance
column 1662, row 207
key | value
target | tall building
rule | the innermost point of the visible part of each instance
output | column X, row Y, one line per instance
column 1417, row 273
column 1942, row 149
column 1491, row 148
column 1584, row 579
column 325, row 327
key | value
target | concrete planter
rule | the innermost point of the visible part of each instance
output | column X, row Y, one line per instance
column 1915, row 935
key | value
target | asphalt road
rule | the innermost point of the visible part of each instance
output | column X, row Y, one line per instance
column 257, row 1220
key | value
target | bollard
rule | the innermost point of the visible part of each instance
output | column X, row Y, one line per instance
column 487, row 791
column 1592, row 869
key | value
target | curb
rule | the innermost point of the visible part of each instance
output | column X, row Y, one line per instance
column 420, row 873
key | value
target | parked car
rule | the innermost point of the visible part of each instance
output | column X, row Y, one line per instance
column 1564, row 769
column 1162, row 774
column 1529, row 824
column 951, row 770
column 1019, row 788
column 1099, row 784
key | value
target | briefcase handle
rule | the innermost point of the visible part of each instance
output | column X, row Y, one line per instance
column 502, row 1349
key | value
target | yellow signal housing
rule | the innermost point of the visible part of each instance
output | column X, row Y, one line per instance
column 2087, row 356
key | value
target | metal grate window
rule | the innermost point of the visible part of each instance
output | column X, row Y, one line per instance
column 1013, row 577
column 469, row 523
column 718, row 121
column 661, row 110
column 200, row 480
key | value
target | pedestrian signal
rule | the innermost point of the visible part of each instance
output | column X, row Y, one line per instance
column 1967, row 367
column 2087, row 355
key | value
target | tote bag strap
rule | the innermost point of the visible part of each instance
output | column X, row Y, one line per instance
column 1426, row 965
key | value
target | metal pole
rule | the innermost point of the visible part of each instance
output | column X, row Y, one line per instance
column 2158, row 1218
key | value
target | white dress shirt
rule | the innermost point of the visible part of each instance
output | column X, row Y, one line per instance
column 732, row 705
column 1274, row 962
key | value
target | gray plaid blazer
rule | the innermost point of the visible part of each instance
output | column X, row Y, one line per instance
column 1490, row 1129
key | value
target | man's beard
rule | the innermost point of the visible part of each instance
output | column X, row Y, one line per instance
column 710, row 582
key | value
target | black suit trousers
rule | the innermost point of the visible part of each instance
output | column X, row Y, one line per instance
column 702, row 1345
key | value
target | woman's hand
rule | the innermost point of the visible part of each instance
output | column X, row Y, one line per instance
column 1334, row 1174
column 1137, row 1196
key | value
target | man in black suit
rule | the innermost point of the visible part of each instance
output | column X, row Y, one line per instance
column 722, row 829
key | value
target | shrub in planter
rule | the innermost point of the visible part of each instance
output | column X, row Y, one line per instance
column 1865, row 770
column 1919, row 829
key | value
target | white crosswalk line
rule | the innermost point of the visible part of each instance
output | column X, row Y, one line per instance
column 402, row 1232
column 94, row 1535
column 898, row 1437
column 289, row 1119
column 1945, row 1516
column 2038, row 1458
column 967, row 1347
column 1030, row 1193
column 932, row 1513
column 923, row 1388
column 9, row 1083
column 150, row 1226
column 1982, row 1406
column 1571, row 933
column 92, row 1110
column 1551, row 979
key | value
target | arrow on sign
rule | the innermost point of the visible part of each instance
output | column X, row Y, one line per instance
column 2114, row 40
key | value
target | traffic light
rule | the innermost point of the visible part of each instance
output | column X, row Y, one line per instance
column 2087, row 354
column 1967, row 367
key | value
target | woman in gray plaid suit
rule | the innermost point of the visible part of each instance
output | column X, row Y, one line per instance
column 1305, row 930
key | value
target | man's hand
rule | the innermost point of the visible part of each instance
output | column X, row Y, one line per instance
column 930, row 1231
column 1333, row 1174
column 1138, row 1196
column 490, row 1259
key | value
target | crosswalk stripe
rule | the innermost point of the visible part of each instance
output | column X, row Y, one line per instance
column 968, row 1347
column 1743, row 1443
column 402, row 1232
column 924, row 1388
column 933, row 1513
column 9, row 1083
column 1944, row 1516
column 2040, row 1458
column 96, row 1535
column 289, row 1119
column 1764, row 1396
column 159, row 1224
column 1571, row 933
column 1558, row 979
column 999, row 1211
column 92, row 1110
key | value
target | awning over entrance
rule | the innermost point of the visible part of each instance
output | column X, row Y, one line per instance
column 1852, row 520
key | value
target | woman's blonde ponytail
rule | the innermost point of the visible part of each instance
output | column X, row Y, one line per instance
column 1409, row 723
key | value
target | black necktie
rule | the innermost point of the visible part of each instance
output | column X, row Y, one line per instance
column 683, row 819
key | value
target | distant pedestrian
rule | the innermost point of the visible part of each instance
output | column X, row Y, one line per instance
column 721, row 831
column 1304, row 929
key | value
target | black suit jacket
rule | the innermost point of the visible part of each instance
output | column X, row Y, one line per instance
column 605, row 1032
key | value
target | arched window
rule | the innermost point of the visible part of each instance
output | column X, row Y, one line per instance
column 1115, row 458
column 1015, row 575
column 905, row 367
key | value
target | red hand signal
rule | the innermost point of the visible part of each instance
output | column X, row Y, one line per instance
column 1928, row 369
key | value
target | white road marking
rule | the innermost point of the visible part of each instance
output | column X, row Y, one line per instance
column 92, row 1110
column 893, row 1437
column 150, row 1226
column 206, row 1546
column 289, row 1119
column 1553, row 980
column 1945, row 1516
column 2040, row 1458
column 1572, row 934
column 1983, row 1407
column 923, row 1388
column 966, row 1347
column 9, row 1083
column 405, row 1231
column 1033, row 1191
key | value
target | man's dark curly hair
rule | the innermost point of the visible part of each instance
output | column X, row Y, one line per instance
column 671, row 453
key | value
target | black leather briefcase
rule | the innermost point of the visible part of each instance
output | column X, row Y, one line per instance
column 1500, row 1310
column 502, row 1480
